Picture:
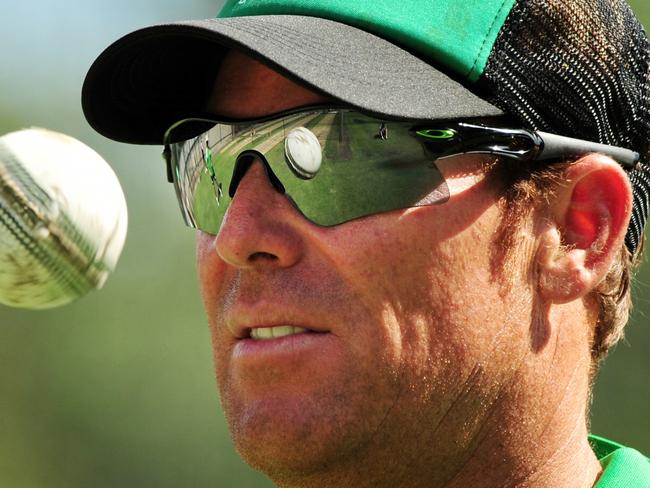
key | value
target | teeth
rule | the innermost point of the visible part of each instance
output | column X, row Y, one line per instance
column 266, row 333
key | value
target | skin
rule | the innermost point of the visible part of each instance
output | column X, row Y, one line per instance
column 428, row 369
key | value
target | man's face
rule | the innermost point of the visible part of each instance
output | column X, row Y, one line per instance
column 403, row 315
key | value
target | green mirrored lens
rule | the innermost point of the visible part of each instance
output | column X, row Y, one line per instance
column 365, row 166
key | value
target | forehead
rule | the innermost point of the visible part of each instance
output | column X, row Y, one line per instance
column 247, row 88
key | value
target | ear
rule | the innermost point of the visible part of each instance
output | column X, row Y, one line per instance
column 586, row 229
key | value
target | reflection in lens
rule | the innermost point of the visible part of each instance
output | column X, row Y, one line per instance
column 361, row 172
column 303, row 152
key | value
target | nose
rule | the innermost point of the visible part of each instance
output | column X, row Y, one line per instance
column 261, row 227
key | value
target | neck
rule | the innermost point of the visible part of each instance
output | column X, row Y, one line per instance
column 570, row 463
column 556, row 454
column 535, row 432
column 508, row 450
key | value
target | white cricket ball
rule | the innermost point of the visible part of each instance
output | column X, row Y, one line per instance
column 303, row 152
column 63, row 219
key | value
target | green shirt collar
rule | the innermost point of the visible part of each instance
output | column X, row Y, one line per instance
column 623, row 467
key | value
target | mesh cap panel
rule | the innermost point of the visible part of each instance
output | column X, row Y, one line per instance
column 578, row 68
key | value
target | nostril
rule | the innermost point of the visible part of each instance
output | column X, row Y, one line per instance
column 262, row 256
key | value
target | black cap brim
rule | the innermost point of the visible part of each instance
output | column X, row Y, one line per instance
column 153, row 77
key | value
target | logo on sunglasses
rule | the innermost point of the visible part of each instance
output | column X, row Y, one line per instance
column 438, row 134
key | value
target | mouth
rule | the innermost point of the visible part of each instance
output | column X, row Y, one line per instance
column 276, row 332
column 265, row 328
column 261, row 346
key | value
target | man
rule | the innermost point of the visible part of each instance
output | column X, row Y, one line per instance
column 433, row 311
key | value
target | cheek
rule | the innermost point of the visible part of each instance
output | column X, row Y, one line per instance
column 209, row 267
column 390, row 282
column 434, row 289
column 211, row 274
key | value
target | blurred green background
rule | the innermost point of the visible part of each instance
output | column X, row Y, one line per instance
column 117, row 389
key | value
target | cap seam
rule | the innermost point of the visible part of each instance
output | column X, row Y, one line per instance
column 471, row 73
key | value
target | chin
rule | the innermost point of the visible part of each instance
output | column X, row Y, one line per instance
column 293, row 438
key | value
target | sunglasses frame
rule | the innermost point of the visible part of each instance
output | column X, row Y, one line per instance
column 462, row 137
column 443, row 139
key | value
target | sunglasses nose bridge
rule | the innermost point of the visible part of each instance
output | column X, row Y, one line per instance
column 244, row 162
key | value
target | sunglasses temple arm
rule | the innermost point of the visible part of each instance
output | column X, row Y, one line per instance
column 559, row 147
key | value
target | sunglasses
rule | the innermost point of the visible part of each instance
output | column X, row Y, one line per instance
column 336, row 165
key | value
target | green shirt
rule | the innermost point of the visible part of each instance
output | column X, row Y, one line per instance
column 623, row 467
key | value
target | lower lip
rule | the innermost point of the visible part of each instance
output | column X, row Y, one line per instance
column 281, row 347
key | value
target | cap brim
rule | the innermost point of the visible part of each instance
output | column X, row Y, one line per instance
column 153, row 77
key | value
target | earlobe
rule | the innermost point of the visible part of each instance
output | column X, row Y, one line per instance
column 585, row 230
